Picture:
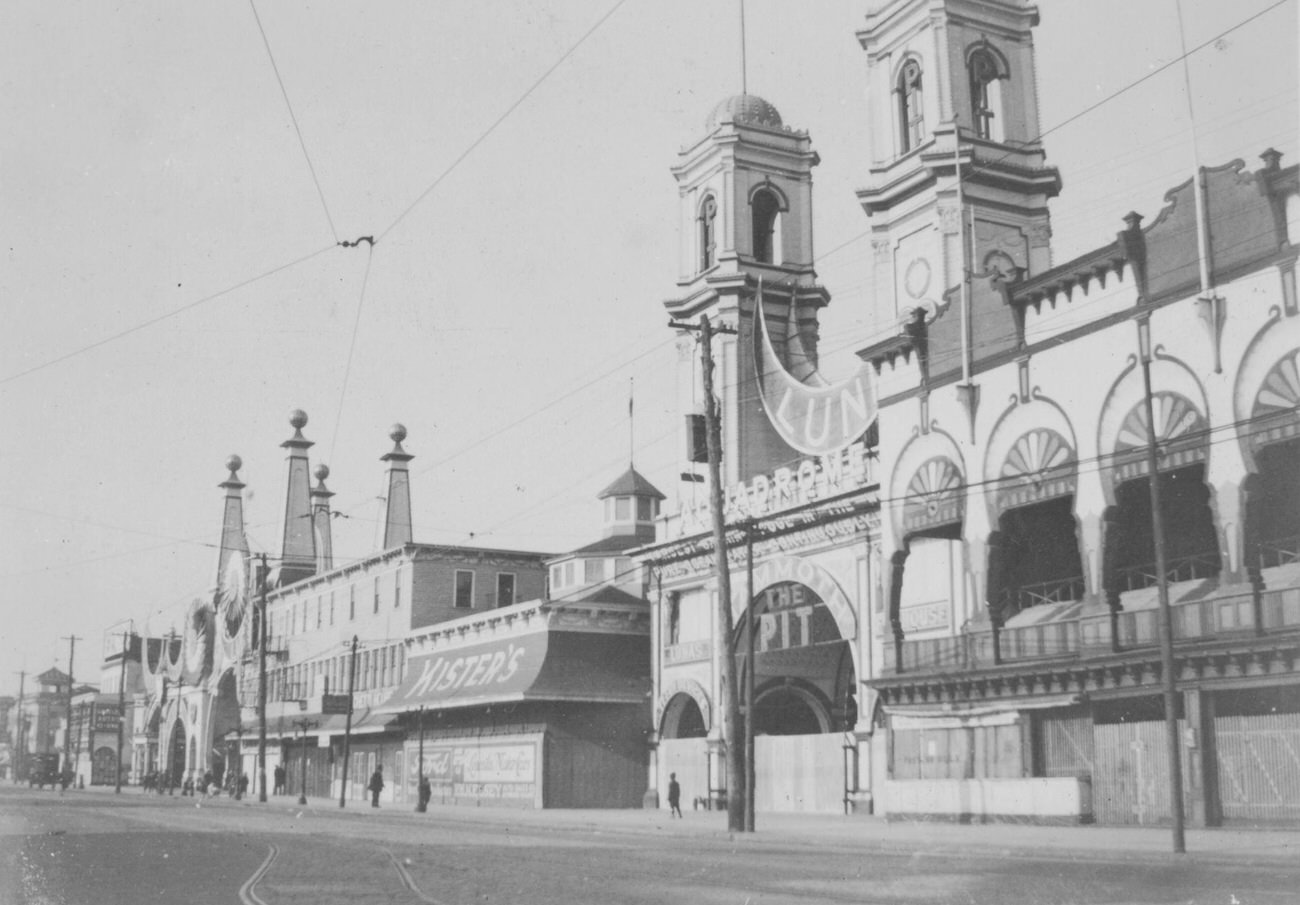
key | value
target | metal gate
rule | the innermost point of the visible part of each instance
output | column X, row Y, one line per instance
column 1259, row 766
column 1130, row 779
column 799, row 773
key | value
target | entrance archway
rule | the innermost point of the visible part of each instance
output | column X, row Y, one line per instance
column 225, row 720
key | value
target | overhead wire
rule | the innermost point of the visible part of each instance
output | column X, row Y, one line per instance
column 302, row 143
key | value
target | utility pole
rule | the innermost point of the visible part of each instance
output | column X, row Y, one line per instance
column 347, row 726
column 420, row 804
column 262, row 575
column 1162, row 585
column 750, row 669
column 19, row 735
column 304, row 725
column 725, row 654
column 68, row 766
column 121, row 710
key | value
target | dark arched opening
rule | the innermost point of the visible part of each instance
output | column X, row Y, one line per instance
column 1191, row 545
column 765, row 211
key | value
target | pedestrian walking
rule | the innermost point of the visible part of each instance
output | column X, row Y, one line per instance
column 674, row 797
column 279, row 779
column 376, row 785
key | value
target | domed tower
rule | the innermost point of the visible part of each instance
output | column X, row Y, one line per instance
column 954, row 147
column 746, row 221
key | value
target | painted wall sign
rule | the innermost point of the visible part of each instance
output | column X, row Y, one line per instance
column 792, row 615
column 508, row 770
column 817, row 584
column 815, row 419
column 477, row 671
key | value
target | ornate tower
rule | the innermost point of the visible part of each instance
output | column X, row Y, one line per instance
column 746, row 221
column 234, row 545
column 954, row 139
column 320, row 520
column 397, row 520
column 298, row 544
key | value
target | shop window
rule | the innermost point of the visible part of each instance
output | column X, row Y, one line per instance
column 505, row 588
column 910, row 103
column 352, row 602
column 464, row 589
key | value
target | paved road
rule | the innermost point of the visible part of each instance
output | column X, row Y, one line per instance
column 90, row 847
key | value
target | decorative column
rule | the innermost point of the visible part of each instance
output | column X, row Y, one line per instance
column 298, row 545
column 320, row 519
column 397, row 518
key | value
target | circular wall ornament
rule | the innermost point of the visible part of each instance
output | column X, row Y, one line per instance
column 917, row 279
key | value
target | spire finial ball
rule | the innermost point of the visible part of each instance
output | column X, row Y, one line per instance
column 322, row 471
column 397, row 433
column 234, row 463
column 298, row 419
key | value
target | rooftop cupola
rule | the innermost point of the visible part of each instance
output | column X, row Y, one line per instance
column 631, row 506
column 298, row 544
column 320, row 520
column 397, row 520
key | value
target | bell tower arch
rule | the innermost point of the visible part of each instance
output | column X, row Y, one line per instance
column 954, row 147
column 745, row 190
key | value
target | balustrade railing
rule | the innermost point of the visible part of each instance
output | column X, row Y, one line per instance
column 1089, row 636
column 1063, row 590
column 1184, row 568
column 1279, row 551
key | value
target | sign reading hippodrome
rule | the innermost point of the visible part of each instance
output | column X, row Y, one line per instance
column 812, row 479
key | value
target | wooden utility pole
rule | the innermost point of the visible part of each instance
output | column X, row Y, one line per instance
column 121, row 710
column 750, row 681
column 724, row 652
column 347, row 725
column 20, row 736
column 68, row 766
column 262, row 576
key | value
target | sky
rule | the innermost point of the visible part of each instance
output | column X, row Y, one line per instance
column 173, row 286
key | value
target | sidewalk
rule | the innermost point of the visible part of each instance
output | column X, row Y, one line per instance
column 1237, row 846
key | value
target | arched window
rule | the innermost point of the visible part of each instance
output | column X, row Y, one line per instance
column 708, row 233
column 985, row 95
column 765, row 212
column 910, row 102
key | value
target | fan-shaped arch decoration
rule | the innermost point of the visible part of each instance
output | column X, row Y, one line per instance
column 1181, row 434
column 1277, row 397
column 1176, row 417
column 934, row 495
column 1040, row 465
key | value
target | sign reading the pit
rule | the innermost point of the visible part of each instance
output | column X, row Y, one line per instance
column 792, row 615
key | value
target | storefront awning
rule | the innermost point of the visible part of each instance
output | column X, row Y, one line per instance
column 538, row 666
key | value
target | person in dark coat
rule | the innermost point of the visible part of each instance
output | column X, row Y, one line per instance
column 376, row 785
column 674, row 796
column 279, row 780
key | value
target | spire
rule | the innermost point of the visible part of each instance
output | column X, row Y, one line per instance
column 397, row 522
column 233, row 540
column 320, row 520
column 298, row 546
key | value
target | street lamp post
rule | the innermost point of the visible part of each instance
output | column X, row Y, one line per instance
column 262, row 577
column 1162, row 585
column 304, row 725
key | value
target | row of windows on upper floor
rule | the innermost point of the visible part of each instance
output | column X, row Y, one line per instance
column 985, row 77
column 619, row 509
column 590, row 571
column 381, row 667
column 307, row 615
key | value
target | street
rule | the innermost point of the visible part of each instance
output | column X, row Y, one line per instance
column 95, row 847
